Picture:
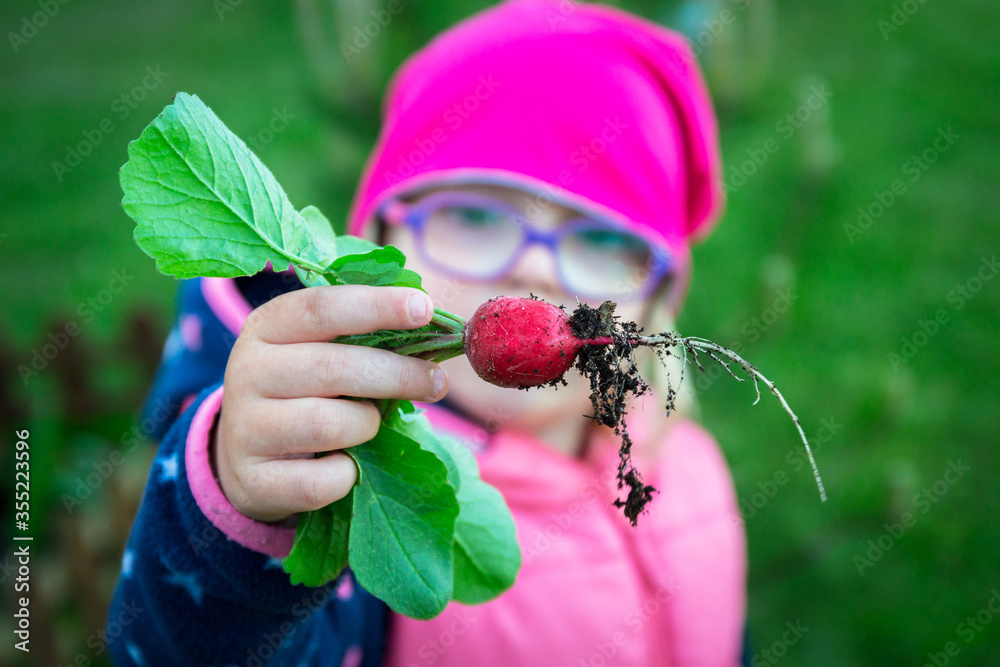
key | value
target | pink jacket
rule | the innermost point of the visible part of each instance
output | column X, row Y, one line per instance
column 592, row 588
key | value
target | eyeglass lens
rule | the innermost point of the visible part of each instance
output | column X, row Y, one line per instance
column 478, row 241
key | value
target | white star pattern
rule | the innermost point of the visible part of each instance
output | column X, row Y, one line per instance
column 274, row 563
column 310, row 653
column 127, row 559
column 189, row 582
column 135, row 654
column 168, row 467
column 173, row 345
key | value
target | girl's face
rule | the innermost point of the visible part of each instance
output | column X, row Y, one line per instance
column 534, row 273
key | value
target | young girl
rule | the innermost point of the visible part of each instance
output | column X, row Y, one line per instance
column 560, row 149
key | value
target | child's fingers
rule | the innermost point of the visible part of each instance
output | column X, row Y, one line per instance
column 286, row 427
column 329, row 369
column 285, row 487
column 323, row 313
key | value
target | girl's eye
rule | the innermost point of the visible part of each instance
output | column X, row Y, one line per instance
column 609, row 239
column 472, row 216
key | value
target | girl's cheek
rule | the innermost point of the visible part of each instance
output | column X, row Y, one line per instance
column 507, row 407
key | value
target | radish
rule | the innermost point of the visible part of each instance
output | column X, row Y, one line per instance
column 522, row 343
column 515, row 342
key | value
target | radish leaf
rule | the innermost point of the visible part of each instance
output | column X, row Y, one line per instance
column 324, row 238
column 381, row 266
column 352, row 245
column 388, row 339
column 403, row 525
column 486, row 553
column 412, row 423
column 321, row 540
column 204, row 204
column 487, row 556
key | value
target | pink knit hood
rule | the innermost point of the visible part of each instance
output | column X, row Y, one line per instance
column 583, row 104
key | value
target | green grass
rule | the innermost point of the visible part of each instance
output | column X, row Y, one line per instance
column 783, row 229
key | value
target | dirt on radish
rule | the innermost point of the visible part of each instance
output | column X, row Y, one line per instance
column 525, row 343
column 614, row 380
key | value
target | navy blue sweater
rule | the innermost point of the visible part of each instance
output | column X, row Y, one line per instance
column 187, row 594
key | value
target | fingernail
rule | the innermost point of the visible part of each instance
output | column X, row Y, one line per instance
column 439, row 379
column 418, row 307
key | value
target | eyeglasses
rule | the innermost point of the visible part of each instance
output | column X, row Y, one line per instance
column 480, row 239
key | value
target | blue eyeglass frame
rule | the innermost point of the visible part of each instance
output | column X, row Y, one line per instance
column 415, row 215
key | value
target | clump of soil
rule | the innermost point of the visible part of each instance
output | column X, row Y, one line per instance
column 614, row 380
column 607, row 360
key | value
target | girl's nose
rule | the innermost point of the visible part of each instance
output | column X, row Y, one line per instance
column 535, row 270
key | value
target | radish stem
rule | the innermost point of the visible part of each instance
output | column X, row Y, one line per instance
column 432, row 343
column 693, row 345
column 448, row 321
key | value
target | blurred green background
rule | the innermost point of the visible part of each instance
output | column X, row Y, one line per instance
column 825, row 108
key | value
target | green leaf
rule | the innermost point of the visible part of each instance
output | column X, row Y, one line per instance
column 353, row 245
column 203, row 203
column 319, row 553
column 324, row 246
column 381, row 266
column 487, row 554
column 312, row 278
column 412, row 423
column 388, row 339
column 403, row 527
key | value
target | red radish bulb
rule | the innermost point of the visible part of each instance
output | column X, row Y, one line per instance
column 516, row 342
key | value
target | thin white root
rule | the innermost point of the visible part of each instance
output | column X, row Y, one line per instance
column 693, row 344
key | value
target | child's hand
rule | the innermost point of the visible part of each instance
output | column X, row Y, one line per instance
column 286, row 388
